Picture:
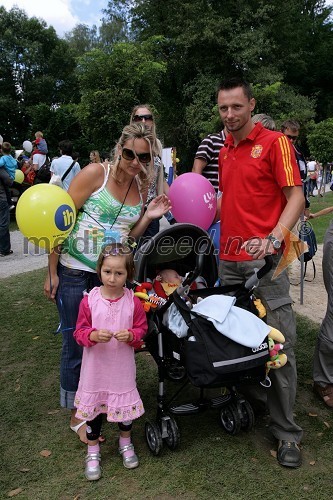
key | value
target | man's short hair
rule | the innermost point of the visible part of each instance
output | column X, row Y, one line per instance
column 66, row 147
column 233, row 83
column 291, row 124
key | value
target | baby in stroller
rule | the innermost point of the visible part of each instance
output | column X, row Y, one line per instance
column 186, row 250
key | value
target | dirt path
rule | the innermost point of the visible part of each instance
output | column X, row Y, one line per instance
column 315, row 297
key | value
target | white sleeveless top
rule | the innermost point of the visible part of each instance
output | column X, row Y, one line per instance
column 82, row 247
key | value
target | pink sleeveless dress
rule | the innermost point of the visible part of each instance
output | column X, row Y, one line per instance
column 108, row 372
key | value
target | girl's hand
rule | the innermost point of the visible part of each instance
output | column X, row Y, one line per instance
column 158, row 207
column 123, row 336
column 101, row 336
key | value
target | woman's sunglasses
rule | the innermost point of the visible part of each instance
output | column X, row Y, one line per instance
column 139, row 118
column 129, row 154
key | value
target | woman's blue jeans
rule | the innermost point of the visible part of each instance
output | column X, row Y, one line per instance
column 72, row 284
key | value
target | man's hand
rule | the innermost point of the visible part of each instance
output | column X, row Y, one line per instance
column 258, row 248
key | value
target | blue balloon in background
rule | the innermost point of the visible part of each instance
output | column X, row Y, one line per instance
column 214, row 233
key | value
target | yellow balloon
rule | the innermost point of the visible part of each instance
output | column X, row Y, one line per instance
column 19, row 176
column 45, row 214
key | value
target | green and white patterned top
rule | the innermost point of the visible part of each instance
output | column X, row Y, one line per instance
column 82, row 247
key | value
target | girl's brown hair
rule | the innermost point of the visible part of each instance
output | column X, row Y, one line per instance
column 116, row 249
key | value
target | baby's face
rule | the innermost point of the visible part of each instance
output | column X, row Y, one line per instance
column 170, row 276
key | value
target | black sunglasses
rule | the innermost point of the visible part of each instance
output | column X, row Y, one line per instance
column 139, row 118
column 292, row 137
column 129, row 154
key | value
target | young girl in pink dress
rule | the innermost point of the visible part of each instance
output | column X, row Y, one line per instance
column 110, row 325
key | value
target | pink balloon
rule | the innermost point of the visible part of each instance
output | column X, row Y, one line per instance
column 193, row 200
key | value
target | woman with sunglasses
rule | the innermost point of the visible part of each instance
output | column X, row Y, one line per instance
column 110, row 200
column 142, row 113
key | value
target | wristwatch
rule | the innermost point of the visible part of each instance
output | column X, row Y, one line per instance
column 275, row 242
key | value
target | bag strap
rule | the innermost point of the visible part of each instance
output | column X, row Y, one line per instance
column 68, row 170
column 182, row 308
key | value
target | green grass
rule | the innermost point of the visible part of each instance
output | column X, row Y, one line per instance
column 320, row 224
column 208, row 464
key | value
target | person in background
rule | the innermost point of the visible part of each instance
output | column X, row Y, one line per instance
column 59, row 166
column 40, row 144
column 142, row 113
column 8, row 162
column 110, row 324
column 291, row 128
column 5, row 182
column 266, row 120
column 27, row 169
column 258, row 169
column 108, row 197
column 39, row 152
column 94, row 157
column 313, row 175
column 206, row 157
column 323, row 355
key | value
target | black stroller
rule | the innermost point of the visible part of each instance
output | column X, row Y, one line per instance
column 189, row 250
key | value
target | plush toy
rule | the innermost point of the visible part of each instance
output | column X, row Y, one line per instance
column 260, row 308
column 275, row 344
column 148, row 301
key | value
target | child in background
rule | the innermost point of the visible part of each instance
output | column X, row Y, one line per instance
column 10, row 165
column 110, row 324
column 40, row 144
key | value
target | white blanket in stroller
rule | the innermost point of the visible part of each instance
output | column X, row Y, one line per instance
column 234, row 322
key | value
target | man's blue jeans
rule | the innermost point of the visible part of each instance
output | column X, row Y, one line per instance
column 72, row 284
column 4, row 227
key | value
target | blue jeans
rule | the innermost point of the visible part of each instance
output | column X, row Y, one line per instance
column 72, row 284
column 4, row 227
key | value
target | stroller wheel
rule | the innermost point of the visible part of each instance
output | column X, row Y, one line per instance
column 176, row 372
column 153, row 437
column 173, row 438
column 247, row 418
column 230, row 419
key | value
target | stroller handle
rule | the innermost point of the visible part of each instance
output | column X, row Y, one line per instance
column 192, row 275
column 253, row 281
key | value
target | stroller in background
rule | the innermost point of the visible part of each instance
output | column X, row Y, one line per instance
column 189, row 250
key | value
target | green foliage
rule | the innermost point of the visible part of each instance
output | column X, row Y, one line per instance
column 81, row 39
column 170, row 54
column 282, row 102
column 320, row 141
column 36, row 67
column 112, row 83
